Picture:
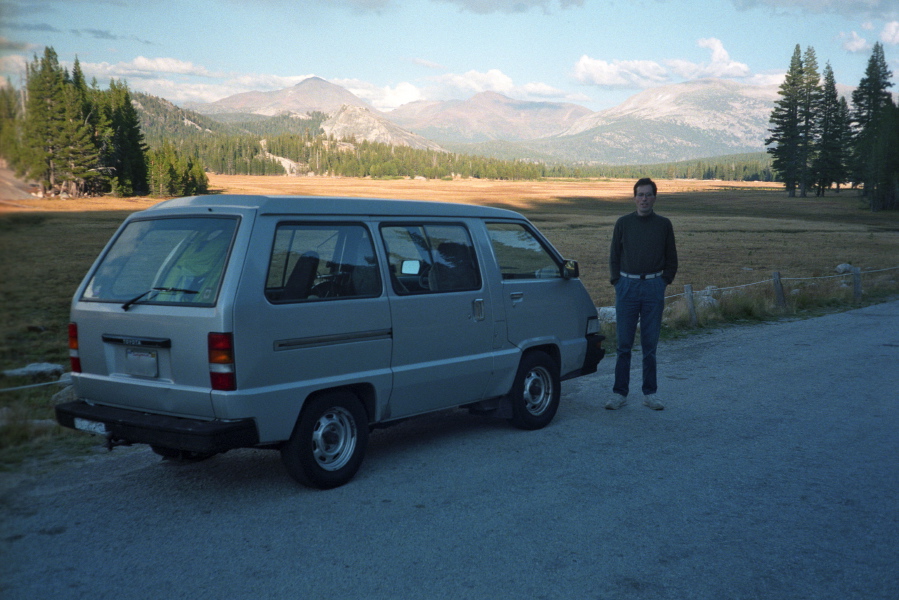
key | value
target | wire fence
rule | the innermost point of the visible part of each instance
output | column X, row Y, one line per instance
column 688, row 293
column 25, row 387
column 776, row 277
column 780, row 298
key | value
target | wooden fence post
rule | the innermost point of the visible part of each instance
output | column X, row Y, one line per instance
column 691, row 306
column 857, row 283
column 779, row 297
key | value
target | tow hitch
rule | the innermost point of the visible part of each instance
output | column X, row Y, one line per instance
column 113, row 441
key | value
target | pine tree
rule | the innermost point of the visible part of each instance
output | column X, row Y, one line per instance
column 174, row 174
column 883, row 173
column 811, row 94
column 44, row 114
column 786, row 133
column 843, row 176
column 10, row 130
column 831, row 136
column 870, row 101
column 162, row 172
column 77, row 155
column 122, row 143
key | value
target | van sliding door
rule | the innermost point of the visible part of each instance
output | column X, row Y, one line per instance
column 442, row 317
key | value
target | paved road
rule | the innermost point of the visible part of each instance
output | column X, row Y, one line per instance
column 772, row 475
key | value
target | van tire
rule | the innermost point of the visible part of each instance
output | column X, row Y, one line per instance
column 328, row 442
column 536, row 391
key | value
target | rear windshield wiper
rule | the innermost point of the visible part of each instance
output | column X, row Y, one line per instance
column 140, row 297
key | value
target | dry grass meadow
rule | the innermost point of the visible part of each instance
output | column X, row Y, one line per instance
column 728, row 234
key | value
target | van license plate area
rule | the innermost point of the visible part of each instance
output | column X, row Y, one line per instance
column 141, row 362
column 90, row 426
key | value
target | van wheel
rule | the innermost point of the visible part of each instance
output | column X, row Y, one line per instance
column 328, row 443
column 536, row 391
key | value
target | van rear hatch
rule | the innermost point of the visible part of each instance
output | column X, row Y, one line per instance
column 143, row 315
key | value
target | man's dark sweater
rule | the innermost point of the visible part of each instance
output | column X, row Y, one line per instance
column 642, row 245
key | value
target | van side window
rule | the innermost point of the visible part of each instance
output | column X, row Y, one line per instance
column 426, row 258
column 314, row 261
column 520, row 254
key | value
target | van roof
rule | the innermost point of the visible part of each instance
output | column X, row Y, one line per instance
column 330, row 205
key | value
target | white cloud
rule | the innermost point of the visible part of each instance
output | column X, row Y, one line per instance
column 461, row 86
column 13, row 67
column 146, row 67
column 511, row 6
column 169, row 65
column 720, row 66
column 384, row 98
column 181, row 92
column 8, row 45
column 475, row 82
column 619, row 73
column 642, row 74
column 890, row 33
column 360, row 5
column 766, row 79
column 182, row 81
column 853, row 42
column 263, row 82
column 884, row 9
column 428, row 64
column 481, row 7
column 541, row 90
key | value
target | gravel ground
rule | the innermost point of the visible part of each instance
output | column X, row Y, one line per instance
column 772, row 474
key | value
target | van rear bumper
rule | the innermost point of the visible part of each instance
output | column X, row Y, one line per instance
column 207, row 437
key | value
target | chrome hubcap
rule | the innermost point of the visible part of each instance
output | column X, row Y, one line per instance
column 334, row 439
column 538, row 391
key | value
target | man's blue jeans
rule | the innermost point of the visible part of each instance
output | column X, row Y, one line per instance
column 638, row 300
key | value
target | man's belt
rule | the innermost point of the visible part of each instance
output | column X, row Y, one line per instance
column 642, row 276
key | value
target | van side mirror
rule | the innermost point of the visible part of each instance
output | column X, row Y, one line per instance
column 570, row 270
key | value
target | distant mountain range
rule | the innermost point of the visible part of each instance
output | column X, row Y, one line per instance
column 310, row 95
column 697, row 119
column 363, row 124
column 485, row 117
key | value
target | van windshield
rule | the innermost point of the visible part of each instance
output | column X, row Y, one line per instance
column 165, row 261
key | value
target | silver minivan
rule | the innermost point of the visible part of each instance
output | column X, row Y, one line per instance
column 301, row 323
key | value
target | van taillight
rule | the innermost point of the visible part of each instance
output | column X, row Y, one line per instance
column 74, row 356
column 221, row 362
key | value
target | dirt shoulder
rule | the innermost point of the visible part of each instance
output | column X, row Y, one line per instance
column 12, row 189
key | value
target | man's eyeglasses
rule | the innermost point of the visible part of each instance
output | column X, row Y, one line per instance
column 649, row 195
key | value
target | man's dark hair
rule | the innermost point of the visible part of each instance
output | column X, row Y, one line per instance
column 645, row 181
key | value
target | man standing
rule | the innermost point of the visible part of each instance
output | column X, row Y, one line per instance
column 642, row 262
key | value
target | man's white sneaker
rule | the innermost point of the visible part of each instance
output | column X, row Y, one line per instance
column 616, row 402
column 652, row 402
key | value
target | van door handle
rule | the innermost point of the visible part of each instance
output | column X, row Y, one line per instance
column 517, row 297
column 477, row 308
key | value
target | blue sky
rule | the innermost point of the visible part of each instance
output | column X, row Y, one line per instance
column 591, row 52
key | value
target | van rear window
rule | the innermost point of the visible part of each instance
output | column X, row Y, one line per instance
column 165, row 261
